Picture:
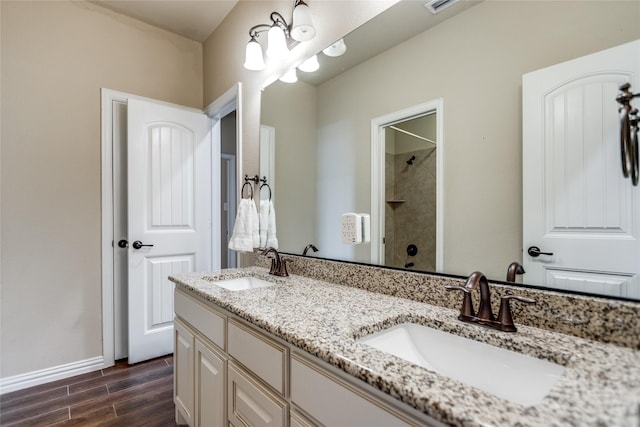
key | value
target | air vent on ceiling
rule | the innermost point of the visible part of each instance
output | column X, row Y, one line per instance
column 436, row 6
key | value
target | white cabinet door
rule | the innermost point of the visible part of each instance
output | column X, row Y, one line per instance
column 576, row 203
column 183, row 388
column 169, row 203
column 210, row 409
column 250, row 403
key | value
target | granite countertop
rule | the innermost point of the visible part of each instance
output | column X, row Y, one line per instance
column 600, row 386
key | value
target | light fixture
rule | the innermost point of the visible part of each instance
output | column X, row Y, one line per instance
column 277, row 42
column 302, row 28
column 253, row 59
column 290, row 76
column 336, row 49
column 280, row 36
column 310, row 65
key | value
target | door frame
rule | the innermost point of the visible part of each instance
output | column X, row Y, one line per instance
column 378, row 126
column 219, row 108
column 229, row 101
column 232, row 203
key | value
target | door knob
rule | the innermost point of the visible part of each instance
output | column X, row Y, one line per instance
column 533, row 251
column 123, row 244
column 138, row 244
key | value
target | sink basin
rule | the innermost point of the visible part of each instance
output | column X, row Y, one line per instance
column 509, row 375
column 243, row 283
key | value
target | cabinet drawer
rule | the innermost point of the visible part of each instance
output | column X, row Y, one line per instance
column 263, row 356
column 338, row 403
column 251, row 404
column 204, row 319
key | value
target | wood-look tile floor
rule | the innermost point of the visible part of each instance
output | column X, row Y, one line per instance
column 123, row 395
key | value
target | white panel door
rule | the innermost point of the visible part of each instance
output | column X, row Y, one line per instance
column 576, row 203
column 169, row 198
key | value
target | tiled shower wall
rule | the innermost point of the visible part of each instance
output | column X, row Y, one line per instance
column 410, row 211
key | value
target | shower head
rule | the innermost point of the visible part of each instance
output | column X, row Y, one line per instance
column 410, row 161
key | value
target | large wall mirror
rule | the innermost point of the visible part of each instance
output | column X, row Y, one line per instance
column 317, row 134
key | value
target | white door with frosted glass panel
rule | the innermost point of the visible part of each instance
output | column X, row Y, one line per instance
column 169, row 200
column 576, row 204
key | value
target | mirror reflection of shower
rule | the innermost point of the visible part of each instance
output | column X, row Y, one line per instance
column 410, row 193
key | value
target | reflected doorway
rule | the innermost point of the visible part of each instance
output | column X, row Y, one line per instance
column 407, row 188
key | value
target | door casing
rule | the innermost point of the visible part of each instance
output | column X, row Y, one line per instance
column 378, row 126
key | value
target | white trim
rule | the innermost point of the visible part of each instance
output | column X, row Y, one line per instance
column 30, row 379
column 378, row 180
column 229, row 101
column 232, row 203
column 106, row 243
column 225, row 104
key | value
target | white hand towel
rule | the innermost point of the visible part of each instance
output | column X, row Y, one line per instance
column 264, row 220
column 268, row 225
column 245, row 229
column 255, row 225
column 272, row 240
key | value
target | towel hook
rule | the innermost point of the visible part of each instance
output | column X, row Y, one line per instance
column 250, row 190
column 264, row 184
column 255, row 179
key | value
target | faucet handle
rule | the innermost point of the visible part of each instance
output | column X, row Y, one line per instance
column 466, row 312
column 505, row 319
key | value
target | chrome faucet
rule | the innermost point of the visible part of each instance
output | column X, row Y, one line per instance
column 278, row 265
column 485, row 317
column 309, row 246
column 514, row 268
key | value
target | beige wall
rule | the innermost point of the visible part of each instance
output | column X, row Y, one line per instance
column 295, row 152
column 475, row 62
column 55, row 58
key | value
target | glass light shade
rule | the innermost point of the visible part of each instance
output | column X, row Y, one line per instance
column 336, row 49
column 253, row 59
column 290, row 76
column 302, row 28
column 310, row 65
column 277, row 44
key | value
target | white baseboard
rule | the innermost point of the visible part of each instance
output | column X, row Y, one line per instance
column 18, row 382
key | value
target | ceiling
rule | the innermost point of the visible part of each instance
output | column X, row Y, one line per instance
column 193, row 19
column 400, row 22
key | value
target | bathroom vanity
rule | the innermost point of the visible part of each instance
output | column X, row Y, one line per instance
column 255, row 349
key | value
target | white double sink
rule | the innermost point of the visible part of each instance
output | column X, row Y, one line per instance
column 504, row 373
column 507, row 374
